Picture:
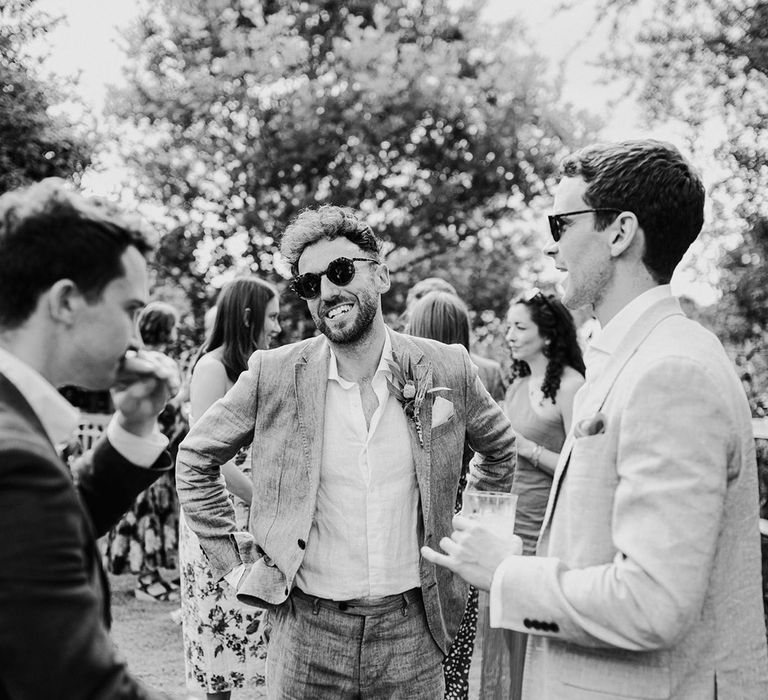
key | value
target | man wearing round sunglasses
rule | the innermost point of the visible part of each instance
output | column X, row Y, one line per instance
column 647, row 580
column 358, row 437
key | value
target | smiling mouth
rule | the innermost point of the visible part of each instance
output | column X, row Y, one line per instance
column 339, row 310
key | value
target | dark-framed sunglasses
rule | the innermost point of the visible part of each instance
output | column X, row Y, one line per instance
column 557, row 225
column 339, row 272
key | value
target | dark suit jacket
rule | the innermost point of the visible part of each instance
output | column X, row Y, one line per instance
column 54, row 599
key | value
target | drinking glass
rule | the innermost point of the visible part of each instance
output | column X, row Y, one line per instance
column 495, row 508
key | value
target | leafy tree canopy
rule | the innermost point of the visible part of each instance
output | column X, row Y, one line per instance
column 436, row 128
column 704, row 61
column 36, row 141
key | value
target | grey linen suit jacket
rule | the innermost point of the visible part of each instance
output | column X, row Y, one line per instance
column 647, row 579
column 279, row 405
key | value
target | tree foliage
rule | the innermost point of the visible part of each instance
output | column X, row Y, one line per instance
column 437, row 129
column 705, row 63
column 35, row 140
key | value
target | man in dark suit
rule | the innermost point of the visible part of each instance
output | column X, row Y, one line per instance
column 72, row 278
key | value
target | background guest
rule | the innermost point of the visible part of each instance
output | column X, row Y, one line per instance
column 222, row 637
column 146, row 537
column 443, row 316
column 547, row 371
column 490, row 371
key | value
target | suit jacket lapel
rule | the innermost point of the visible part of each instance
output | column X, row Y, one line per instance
column 311, row 379
column 16, row 402
column 403, row 349
column 597, row 393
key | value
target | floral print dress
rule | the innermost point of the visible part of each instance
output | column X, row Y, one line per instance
column 224, row 644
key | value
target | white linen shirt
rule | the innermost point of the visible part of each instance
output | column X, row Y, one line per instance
column 364, row 540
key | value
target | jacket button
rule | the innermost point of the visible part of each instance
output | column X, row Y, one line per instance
column 527, row 623
column 302, row 544
column 536, row 624
column 554, row 627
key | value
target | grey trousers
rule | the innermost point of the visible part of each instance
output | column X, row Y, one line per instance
column 343, row 651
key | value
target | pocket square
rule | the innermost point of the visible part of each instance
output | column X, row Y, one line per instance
column 594, row 425
column 442, row 410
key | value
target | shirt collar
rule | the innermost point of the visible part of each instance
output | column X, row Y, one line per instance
column 617, row 328
column 58, row 417
column 333, row 367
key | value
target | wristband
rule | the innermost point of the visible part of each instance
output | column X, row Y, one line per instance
column 535, row 456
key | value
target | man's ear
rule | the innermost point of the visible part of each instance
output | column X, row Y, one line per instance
column 624, row 232
column 382, row 276
column 64, row 301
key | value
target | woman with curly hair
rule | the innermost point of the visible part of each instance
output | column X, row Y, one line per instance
column 547, row 371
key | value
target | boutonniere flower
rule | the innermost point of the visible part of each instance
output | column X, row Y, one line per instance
column 409, row 391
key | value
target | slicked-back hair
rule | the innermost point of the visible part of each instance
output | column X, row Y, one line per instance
column 654, row 181
column 557, row 329
column 50, row 233
column 441, row 316
column 326, row 222
column 157, row 321
column 235, row 330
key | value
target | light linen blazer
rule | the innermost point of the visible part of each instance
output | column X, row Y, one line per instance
column 647, row 579
column 279, row 405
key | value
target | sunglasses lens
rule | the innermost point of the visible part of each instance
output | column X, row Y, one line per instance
column 554, row 227
column 341, row 271
column 307, row 286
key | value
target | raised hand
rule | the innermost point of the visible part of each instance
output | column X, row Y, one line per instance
column 146, row 381
column 473, row 551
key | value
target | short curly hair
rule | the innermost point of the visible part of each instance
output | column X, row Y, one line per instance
column 326, row 222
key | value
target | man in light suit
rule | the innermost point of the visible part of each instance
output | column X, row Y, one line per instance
column 72, row 278
column 358, row 437
column 647, row 579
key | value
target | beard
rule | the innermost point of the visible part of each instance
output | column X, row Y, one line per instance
column 367, row 306
column 589, row 289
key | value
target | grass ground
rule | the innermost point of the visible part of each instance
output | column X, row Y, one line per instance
column 150, row 641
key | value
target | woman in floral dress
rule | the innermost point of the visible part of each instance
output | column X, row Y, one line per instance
column 224, row 643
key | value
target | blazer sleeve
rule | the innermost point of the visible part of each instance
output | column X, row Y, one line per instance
column 212, row 441
column 676, row 444
column 108, row 483
column 489, row 434
column 53, row 639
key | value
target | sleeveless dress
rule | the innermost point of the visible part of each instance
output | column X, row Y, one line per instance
column 224, row 644
column 532, row 487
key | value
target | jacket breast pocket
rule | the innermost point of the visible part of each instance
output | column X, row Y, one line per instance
column 447, row 426
column 593, row 458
